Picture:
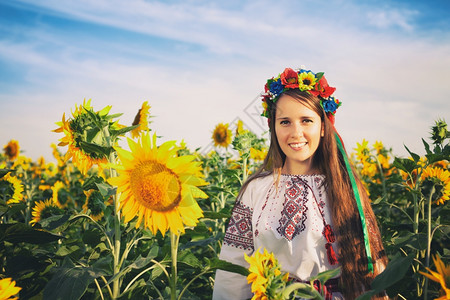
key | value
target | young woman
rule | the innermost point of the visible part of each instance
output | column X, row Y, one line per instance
column 305, row 204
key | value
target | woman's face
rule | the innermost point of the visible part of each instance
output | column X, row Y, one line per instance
column 298, row 130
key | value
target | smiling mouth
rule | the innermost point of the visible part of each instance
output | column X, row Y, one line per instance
column 296, row 146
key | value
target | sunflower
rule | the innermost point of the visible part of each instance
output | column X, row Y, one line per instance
column 22, row 162
column 57, row 155
column 441, row 178
column 12, row 149
column 44, row 209
column 258, row 154
column 157, row 186
column 306, row 81
column 141, row 119
column 222, row 135
column 12, row 187
column 8, row 289
column 442, row 276
column 265, row 275
column 75, row 131
column 59, row 195
column 94, row 204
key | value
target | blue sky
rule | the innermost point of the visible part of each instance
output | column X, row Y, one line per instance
column 199, row 63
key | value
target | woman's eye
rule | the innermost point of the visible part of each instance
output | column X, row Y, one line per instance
column 307, row 121
column 284, row 122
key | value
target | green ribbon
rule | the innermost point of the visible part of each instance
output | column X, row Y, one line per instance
column 358, row 202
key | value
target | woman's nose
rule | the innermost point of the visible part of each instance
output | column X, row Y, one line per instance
column 296, row 131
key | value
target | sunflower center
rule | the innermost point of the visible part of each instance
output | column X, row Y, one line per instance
column 306, row 81
column 155, row 186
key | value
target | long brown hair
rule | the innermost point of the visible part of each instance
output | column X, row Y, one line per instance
column 355, row 276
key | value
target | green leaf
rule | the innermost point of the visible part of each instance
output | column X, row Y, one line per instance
column 91, row 182
column 324, row 276
column 188, row 258
column 395, row 271
column 54, row 222
column 3, row 172
column 21, row 233
column 101, row 151
column 70, row 282
column 216, row 263
column 427, row 147
column 106, row 189
column 404, row 164
column 303, row 290
column 216, row 215
column 122, row 131
column 413, row 155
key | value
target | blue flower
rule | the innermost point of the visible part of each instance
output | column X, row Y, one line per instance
column 329, row 105
column 276, row 87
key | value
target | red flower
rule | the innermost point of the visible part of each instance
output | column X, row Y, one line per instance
column 289, row 78
column 322, row 89
column 266, row 87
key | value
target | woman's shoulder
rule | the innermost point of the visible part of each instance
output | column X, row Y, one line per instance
column 256, row 186
column 261, row 180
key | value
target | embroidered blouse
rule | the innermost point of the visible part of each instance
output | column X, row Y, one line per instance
column 288, row 220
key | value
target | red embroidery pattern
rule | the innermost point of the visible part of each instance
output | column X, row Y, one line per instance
column 239, row 232
column 293, row 215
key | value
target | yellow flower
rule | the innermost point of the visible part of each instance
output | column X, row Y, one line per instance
column 258, row 155
column 265, row 274
column 306, row 81
column 59, row 158
column 141, row 119
column 362, row 150
column 23, row 162
column 378, row 146
column 12, row 149
column 75, row 135
column 59, row 196
column 222, row 135
column 42, row 210
column 442, row 276
column 369, row 169
column 94, row 204
column 14, row 188
column 8, row 289
column 384, row 161
column 441, row 177
column 239, row 127
column 157, row 186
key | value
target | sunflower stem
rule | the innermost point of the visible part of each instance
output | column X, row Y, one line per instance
column 174, row 251
column 429, row 236
column 117, row 232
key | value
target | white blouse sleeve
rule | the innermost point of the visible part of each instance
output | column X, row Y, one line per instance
column 238, row 241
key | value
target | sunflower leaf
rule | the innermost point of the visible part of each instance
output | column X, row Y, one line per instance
column 100, row 150
column 122, row 131
column 216, row 263
column 106, row 190
column 70, row 281
column 19, row 232
column 395, row 270
column 3, row 172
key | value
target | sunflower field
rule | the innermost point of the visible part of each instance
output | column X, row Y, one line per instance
column 146, row 221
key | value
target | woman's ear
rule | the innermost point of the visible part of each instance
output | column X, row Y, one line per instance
column 322, row 132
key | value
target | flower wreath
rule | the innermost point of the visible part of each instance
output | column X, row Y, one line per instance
column 304, row 80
